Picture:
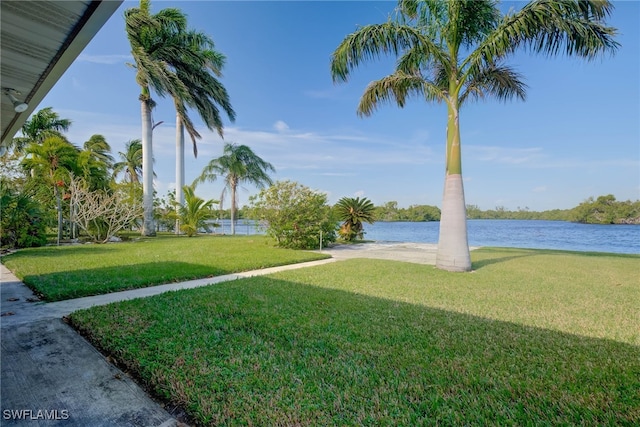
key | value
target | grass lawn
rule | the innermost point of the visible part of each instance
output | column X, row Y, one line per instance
column 530, row 338
column 64, row 272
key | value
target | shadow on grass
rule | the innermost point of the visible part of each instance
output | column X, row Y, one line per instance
column 269, row 352
column 490, row 255
column 494, row 255
column 81, row 283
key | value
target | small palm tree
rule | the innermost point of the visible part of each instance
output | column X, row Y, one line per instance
column 96, row 162
column 99, row 149
column 237, row 164
column 41, row 125
column 195, row 212
column 52, row 162
column 354, row 213
column 453, row 52
column 130, row 162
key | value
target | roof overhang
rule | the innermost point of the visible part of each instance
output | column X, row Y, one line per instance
column 38, row 41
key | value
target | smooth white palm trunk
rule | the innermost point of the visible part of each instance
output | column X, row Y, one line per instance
column 179, row 168
column 453, row 245
column 233, row 210
column 148, row 226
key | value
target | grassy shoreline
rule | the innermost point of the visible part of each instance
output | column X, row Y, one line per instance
column 530, row 337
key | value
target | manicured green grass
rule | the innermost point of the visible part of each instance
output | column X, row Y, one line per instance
column 530, row 338
column 64, row 272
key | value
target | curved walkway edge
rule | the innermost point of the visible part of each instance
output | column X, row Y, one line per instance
column 53, row 376
column 50, row 375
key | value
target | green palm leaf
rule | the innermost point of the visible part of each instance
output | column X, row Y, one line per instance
column 455, row 51
column 353, row 213
column 237, row 164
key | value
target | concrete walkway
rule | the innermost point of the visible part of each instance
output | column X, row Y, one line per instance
column 52, row 376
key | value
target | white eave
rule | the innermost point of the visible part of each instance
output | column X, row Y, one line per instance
column 38, row 42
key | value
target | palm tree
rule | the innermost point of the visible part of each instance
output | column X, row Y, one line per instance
column 353, row 213
column 99, row 149
column 454, row 52
column 52, row 161
column 237, row 164
column 200, row 66
column 130, row 162
column 96, row 162
column 41, row 125
column 156, row 47
column 195, row 212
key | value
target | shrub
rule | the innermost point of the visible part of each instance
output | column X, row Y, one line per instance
column 99, row 213
column 22, row 221
column 295, row 215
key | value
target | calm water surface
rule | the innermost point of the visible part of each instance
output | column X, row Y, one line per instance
column 510, row 233
column 520, row 234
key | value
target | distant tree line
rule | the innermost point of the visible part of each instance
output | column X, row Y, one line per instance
column 415, row 213
column 603, row 210
column 500, row 212
column 606, row 210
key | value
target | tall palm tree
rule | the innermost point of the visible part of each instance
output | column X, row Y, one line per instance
column 353, row 213
column 237, row 164
column 200, row 66
column 52, row 161
column 130, row 162
column 454, row 52
column 156, row 48
column 43, row 124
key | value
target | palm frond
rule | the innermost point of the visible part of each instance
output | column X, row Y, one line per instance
column 552, row 27
column 373, row 41
column 397, row 87
column 500, row 81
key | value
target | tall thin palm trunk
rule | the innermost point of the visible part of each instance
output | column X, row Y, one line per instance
column 59, row 209
column 233, row 209
column 148, row 227
column 179, row 169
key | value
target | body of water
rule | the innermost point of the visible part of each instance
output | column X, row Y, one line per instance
column 519, row 234
column 535, row 234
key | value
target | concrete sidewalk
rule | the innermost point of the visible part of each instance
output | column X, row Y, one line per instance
column 18, row 304
column 52, row 376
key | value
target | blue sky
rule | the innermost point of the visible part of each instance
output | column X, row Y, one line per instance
column 577, row 135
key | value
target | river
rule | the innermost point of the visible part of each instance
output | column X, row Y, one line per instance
column 536, row 234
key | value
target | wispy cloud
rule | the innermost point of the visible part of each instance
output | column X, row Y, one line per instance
column 281, row 126
column 537, row 158
column 104, row 59
column 295, row 153
column 505, row 155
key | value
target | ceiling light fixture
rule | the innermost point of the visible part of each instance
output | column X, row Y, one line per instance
column 18, row 106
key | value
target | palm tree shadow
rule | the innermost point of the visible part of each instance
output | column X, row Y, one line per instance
column 517, row 253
